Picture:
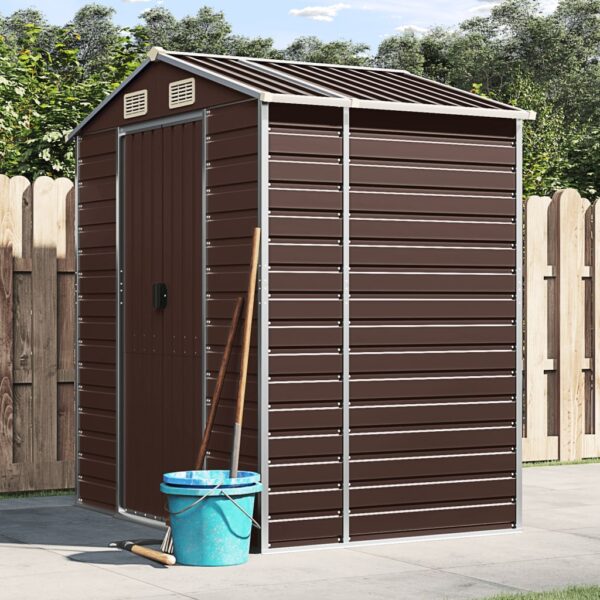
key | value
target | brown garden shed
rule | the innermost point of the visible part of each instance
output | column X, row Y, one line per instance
column 384, row 396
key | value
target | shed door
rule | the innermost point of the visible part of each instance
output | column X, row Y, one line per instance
column 162, row 211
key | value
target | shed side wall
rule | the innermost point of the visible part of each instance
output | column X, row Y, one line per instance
column 231, row 216
column 432, row 336
column 305, row 332
column 97, row 319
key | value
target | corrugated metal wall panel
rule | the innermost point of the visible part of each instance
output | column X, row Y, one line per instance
column 97, row 325
column 232, row 214
column 432, row 285
column 305, row 391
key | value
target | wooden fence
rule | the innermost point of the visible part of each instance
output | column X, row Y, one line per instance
column 37, row 331
column 37, row 334
column 562, row 320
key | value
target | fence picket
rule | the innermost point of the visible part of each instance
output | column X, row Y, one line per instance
column 571, row 321
column 537, row 445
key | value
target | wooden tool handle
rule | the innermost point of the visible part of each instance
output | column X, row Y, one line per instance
column 155, row 555
column 249, row 312
column 219, row 384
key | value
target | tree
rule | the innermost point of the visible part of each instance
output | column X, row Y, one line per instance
column 14, row 29
column 206, row 31
column 546, row 141
column 240, row 45
column 51, row 77
column 312, row 49
column 401, row 52
column 44, row 94
column 158, row 28
column 98, row 35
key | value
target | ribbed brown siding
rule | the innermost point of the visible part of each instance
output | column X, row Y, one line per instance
column 232, row 214
column 305, row 362
column 432, row 286
column 97, row 271
column 97, row 324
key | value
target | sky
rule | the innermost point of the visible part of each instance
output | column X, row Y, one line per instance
column 284, row 20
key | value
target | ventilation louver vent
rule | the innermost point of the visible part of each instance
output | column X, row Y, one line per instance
column 182, row 93
column 135, row 104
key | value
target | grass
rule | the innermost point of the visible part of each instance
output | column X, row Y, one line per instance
column 556, row 463
column 35, row 494
column 571, row 593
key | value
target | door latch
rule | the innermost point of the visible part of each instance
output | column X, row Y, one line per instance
column 159, row 296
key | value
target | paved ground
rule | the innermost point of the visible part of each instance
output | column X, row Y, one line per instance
column 52, row 550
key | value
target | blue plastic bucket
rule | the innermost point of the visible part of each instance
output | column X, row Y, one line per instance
column 211, row 522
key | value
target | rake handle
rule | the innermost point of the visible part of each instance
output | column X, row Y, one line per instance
column 247, row 334
column 219, row 384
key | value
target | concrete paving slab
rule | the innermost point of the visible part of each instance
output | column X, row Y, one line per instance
column 399, row 586
column 589, row 532
column 18, row 560
column 545, row 574
column 56, row 550
column 565, row 518
column 80, row 581
column 488, row 549
column 300, row 567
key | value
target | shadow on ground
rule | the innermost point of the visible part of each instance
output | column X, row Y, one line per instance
column 58, row 523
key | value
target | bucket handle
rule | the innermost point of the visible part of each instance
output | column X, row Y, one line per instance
column 254, row 522
column 179, row 512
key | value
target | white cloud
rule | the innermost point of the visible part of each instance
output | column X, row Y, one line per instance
column 483, row 8
column 414, row 28
column 136, row 1
column 388, row 7
column 318, row 13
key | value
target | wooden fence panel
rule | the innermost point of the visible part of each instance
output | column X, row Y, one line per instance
column 37, row 339
column 562, row 302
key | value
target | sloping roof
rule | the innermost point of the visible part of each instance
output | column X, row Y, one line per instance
column 330, row 85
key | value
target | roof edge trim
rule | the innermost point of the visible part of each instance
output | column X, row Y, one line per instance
column 106, row 100
column 473, row 111
column 210, row 75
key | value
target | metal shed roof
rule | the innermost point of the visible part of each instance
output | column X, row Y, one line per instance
column 295, row 82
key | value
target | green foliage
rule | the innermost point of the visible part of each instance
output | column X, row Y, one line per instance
column 546, row 140
column 52, row 77
column 98, row 36
column 342, row 52
column 44, row 94
column 207, row 31
column 401, row 52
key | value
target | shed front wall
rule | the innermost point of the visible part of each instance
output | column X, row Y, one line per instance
column 429, row 439
column 97, row 263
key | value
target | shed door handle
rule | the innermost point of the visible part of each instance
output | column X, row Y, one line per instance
column 159, row 295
